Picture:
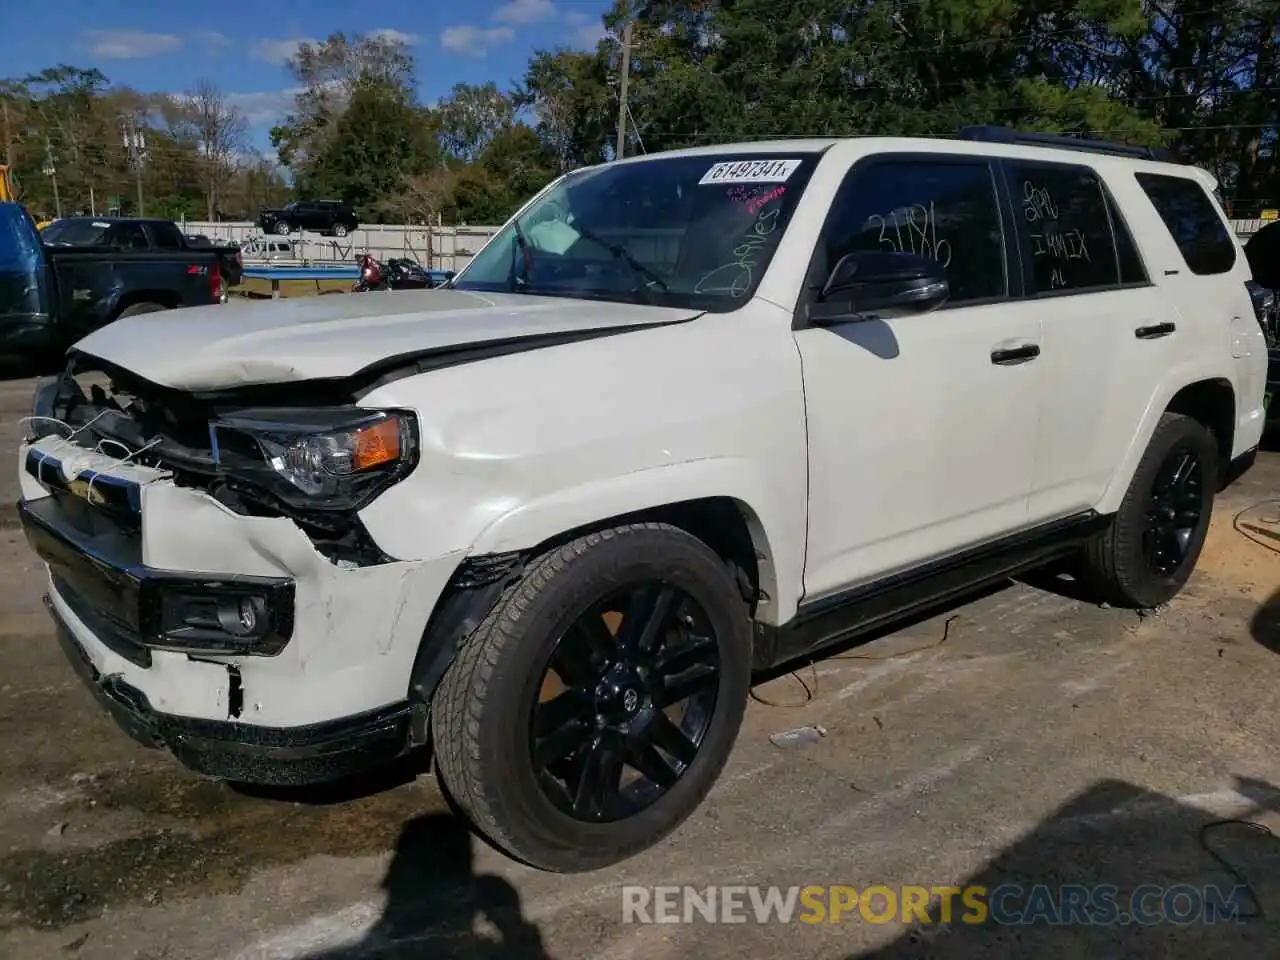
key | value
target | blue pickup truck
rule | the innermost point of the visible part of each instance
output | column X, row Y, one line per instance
column 52, row 295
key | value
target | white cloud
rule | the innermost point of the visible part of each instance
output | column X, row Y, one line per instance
column 265, row 106
column 278, row 51
column 211, row 38
column 129, row 44
column 587, row 31
column 474, row 41
column 524, row 11
column 391, row 35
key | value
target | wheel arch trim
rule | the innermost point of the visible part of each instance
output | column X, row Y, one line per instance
column 608, row 501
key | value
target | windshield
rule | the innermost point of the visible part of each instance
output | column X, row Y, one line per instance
column 76, row 233
column 696, row 231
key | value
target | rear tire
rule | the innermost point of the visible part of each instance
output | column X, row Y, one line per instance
column 283, row 229
column 1148, row 552
column 339, row 230
column 500, row 735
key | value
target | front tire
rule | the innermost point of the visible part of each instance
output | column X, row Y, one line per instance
column 282, row 229
column 1146, row 555
column 593, row 709
column 339, row 230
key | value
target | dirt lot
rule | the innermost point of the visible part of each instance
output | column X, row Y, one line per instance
column 1025, row 737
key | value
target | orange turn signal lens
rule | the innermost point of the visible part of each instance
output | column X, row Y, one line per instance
column 376, row 445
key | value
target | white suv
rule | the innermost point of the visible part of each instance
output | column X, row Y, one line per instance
column 685, row 417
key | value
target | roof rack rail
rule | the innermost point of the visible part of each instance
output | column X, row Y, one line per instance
column 994, row 134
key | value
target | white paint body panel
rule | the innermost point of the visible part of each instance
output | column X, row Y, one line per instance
column 356, row 631
column 851, row 453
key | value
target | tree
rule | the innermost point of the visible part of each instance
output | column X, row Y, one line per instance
column 471, row 116
column 330, row 73
column 377, row 141
column 220, row 131
column 573, row 106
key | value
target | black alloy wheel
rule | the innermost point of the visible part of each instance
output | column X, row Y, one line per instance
column 1152, row 542
column 593, row 708
column 1175, row 509
column 626, row 699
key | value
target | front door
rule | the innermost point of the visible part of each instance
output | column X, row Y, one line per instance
column 921, row 428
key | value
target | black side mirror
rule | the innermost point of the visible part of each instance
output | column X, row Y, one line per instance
column 880, row 283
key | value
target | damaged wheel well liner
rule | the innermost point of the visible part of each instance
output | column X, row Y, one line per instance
column 479, row 583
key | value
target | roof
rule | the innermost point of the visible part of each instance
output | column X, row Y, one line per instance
column 952, row 145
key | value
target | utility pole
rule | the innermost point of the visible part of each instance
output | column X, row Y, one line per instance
column 135, row 144
column 622, row 91
column 51, row 172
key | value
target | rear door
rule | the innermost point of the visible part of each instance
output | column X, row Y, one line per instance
column 1104, row 347
column 309, row 216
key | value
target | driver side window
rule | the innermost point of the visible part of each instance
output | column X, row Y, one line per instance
column 946, row 211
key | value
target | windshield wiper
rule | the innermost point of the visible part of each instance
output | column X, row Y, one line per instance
column 520, row 278
column 622, row 253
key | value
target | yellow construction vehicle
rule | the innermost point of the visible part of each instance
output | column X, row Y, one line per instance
column 8, row 183
column 10, row 192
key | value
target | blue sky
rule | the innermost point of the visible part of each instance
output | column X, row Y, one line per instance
column 166, row 47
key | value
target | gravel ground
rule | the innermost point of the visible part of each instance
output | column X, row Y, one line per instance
column 1026, row 737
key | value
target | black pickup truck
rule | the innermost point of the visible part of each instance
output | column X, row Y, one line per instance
column 51, row 295
column 138, row 233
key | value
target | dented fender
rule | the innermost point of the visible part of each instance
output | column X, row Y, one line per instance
column 540, row 519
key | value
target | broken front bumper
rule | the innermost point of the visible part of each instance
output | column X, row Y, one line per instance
column 284, row 756
column 141, row 576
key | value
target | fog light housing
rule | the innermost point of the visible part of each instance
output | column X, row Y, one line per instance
column 246, row 616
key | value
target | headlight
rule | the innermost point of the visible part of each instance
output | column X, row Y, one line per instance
column 337, row 458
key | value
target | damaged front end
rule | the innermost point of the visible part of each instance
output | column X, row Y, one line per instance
column 299, row 452
column 210, row 574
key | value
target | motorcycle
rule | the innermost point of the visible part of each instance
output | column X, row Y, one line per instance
column 397, row 274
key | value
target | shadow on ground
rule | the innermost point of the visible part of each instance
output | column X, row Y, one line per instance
column 1265, row 625
column 1124, row 837
column 438, row 907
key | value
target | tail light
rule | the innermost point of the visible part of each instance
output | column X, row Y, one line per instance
column 215, row 282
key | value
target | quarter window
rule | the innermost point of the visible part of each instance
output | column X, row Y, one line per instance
column 1193, row 221
column 946, row 211
column 1065, row 226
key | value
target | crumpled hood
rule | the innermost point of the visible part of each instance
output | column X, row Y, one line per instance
column 278, row 341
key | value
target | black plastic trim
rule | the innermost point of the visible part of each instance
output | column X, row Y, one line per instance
column 989, row 133
column 402, row 365
column 247, row 753
column 471, row 593
column 849, row 613
column 126, row 600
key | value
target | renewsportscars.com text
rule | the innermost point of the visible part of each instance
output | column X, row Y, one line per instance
column 1008, row 904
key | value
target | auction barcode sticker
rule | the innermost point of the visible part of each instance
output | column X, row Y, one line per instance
column 750, row 171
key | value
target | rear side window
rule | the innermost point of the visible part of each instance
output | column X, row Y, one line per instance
column 1193, row 221
column 1065, row 226
column 131, row 236
column 167, row 236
